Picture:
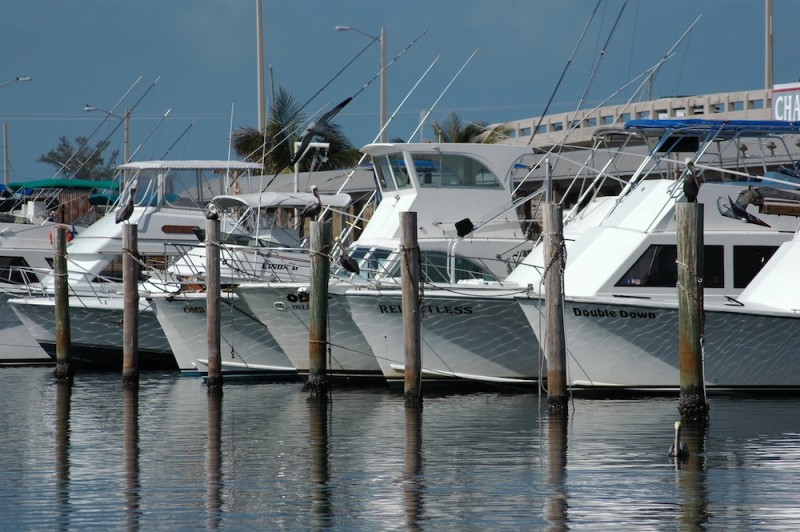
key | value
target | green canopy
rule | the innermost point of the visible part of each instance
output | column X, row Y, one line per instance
column 72, row 184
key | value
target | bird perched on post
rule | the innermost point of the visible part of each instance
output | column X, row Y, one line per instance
column 124, row 212
column 691, row 183
column 678, row 449
column 311, row 210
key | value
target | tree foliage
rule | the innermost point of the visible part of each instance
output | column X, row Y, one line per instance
column 274, row 148
column 453, row 129
column 81, row 161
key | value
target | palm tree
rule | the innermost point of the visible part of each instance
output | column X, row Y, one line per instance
column 274, row 148
column 453, row 129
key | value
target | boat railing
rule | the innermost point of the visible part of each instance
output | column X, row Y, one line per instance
column 23, row 279
column 238, row 264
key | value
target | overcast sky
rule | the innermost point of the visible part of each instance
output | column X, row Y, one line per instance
column 203, row 52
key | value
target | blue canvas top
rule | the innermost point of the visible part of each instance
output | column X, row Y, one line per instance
column 698, row 126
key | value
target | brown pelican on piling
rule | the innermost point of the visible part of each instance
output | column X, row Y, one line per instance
column 124, row 212
column 691, row 183
column 311, row 210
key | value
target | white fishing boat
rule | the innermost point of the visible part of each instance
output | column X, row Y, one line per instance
column 467, row 230
column 167, row 202
column 29, row 213
column 620, row 296
column 262, row 244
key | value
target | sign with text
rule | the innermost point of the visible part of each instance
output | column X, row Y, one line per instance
column 786, row 101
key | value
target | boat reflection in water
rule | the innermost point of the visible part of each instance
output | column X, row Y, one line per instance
column 267, row 457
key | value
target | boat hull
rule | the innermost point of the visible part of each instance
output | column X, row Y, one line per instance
column 96, row 333
column 467, row 339
column 283, row 308
column 247, row 347
column 626, row 345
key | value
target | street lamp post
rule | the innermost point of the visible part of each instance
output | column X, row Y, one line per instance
column 18, row 78
column 382, row 38
column 5, row 130
column 125, row 121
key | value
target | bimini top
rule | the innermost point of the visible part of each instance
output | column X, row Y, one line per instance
column 190, row 165
column 73, row 184
column 278, row 199
column 727, row 128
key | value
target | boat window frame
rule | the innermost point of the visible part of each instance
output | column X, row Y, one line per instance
column 656, row 267
column 748, row 260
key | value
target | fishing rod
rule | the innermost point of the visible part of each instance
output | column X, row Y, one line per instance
column 96, row 129
column 346, row 233
column 646, row 74
column 595, row 68
column 600, row 58
column 564, row 72
column 97, row 149
column 303, row 106
column 319, row 127
column 428, row 113
column 186, row 130
column 153, row 130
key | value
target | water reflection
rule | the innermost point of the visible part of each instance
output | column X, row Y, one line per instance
column 692, row 476
column 472, row 462
column 131, row 456
column 214, row 460
column 63, row 404
column 320, row 470
column 555, row 505
column 412, row 468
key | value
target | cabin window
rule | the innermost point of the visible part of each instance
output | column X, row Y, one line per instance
column 113, row 270
column 383, row 171
column 433, row 268
column 16, row 270
column 657, row 267
column 371, row 261
column 436, row 170
column 193, row 188
column 748, row 261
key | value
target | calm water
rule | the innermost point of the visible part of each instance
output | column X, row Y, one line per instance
column 266, row 458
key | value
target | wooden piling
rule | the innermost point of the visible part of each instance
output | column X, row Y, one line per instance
column 412, row 384
column 555, row 344
column 64, row 371
column 320, row 247
column 130, row 306
column 689, row 225
column 214, row 379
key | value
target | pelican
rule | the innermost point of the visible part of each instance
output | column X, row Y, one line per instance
column 752, row 196
column 124, row 212
column 678, row 449
column 320, row 128
column 691, row 184
column 349, row 264
column 311, row 210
